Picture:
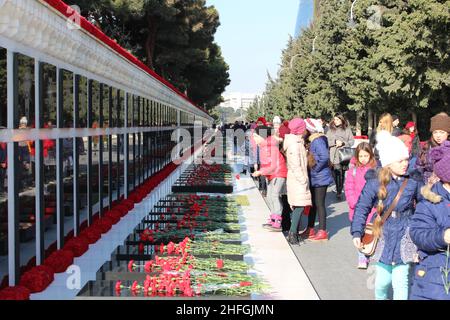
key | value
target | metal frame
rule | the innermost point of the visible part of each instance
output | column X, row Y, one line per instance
column 101, row 150
column 12, row 67
column 110, row 182
column 60, row 210
column 118, row 138
column 76, row 156
column 152, row 115
column 126, row 148
column 39, row 163
column 90, row 169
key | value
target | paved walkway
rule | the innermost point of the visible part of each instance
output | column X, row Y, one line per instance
column 270, row 252
column 331, row 266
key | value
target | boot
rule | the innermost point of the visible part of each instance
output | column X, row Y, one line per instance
column 321, row 236
column 276, row 226
column 309, row 233
column 292, row 238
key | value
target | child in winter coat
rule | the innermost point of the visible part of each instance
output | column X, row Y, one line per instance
column 440, row 130
column 430, row 231
column 395, row 250
column 355, row 181
column 299, row 195
column 273, row 166
column 320, row 178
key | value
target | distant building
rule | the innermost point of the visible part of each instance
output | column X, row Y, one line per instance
column 308, row 10
column 238, row 100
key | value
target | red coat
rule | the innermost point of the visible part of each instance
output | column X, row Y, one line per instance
column 273, row 164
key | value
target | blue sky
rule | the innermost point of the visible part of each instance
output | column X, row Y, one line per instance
column 252, row 35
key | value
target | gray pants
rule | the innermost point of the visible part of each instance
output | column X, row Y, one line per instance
column 275, row 189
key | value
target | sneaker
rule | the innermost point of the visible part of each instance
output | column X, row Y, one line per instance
column 309, row 233
column 321, row 236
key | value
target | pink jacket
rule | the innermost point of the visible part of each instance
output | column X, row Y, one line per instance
column 273, row 164
column 354, row 184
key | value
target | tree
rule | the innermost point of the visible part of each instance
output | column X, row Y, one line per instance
column 173, row 37
column 394, row 59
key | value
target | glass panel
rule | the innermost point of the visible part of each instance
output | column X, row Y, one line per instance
column 3, row 169
column 68, row 150
column 121, row 147
column 95, row 180
column 115, row 149
column 105, row 172
column 49, row 153
column 82, row 147
column 26, row 159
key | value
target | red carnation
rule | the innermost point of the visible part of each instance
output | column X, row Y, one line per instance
column 59, row 260
column 128, row 203
column 131, row 266
column 15, row 293
column 114, row 215
column 170, row 247
column 148, row 266
column 118, row 286
column 104, row 224
column 161, row 248
column 123, row 209
column 91, row 234
column 219, row 263
column 141, row 248
column 78, row 245
column 135, row 286
column 245, row 284
column 37, row 279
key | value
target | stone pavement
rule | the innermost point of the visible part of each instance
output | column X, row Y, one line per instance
column 331, row 266
column 270, row 252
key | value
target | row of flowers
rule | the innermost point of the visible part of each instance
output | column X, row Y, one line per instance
column 38, row 278
column 190, row 268
column 182, row 274
column 204, row 174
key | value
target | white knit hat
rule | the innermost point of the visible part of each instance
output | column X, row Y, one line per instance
column 314, row 126
column 390, row 148
column 277, row 120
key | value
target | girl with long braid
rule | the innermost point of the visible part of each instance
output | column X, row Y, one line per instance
column 395, row 250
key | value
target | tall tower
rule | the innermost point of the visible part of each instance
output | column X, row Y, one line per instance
column 307, row 10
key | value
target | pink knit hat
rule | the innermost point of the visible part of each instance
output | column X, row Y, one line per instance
column 297, row 126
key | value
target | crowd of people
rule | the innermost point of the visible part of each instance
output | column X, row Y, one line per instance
column 397, row 190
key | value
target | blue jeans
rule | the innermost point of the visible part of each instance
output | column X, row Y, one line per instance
column 388, row 275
